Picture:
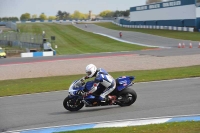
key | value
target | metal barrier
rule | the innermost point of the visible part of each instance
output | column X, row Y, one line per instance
column 11, row 25
column 21, row 40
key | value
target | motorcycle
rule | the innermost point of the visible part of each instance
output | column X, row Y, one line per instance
column 125, row 96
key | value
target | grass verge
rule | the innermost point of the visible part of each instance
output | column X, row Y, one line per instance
column 71, row 40
column 46, row 84
column 194, row 36
column 175, row 127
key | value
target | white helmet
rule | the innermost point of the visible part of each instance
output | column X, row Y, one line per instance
column 90, row 70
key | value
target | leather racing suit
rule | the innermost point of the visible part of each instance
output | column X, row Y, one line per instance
column 102, row 77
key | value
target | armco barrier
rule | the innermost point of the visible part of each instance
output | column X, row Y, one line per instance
column 38, row 54
column 156, row 27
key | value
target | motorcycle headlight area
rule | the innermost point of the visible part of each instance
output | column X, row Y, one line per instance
column 73, row 89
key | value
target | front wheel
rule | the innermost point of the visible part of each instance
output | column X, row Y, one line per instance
column 127, row 97
column 72, row 104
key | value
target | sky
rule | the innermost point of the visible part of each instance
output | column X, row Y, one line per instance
column 14, row 8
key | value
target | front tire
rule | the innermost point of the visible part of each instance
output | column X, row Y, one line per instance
column 72, row 104
column 128, row 96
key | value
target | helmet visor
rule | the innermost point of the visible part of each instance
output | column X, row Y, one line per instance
column 89, row 73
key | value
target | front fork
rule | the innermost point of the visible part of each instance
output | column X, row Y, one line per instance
column 85, row 102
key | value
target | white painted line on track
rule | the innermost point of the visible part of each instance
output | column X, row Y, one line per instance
column 114, row 123
column 171, row 80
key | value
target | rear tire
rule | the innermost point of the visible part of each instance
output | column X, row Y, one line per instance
column 129, row 95
column 67, row 103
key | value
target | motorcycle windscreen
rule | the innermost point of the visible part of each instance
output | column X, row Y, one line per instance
column 123, row 82
column 73, row 89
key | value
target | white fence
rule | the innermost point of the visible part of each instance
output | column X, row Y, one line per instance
column 156, row 27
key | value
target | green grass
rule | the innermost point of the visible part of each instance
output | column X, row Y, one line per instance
column 46, row 84
column 175, row 127
column 71, row 40
column 194, row 36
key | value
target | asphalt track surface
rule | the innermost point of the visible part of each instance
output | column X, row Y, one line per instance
column 155, row 99
column 136, row 37
column 155, row 52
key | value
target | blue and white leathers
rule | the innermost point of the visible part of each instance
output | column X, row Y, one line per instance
column 103, row 78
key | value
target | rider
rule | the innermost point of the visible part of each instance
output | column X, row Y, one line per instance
column 101, row 77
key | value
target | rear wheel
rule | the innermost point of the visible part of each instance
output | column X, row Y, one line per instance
column 127, row 97
column 72, row 104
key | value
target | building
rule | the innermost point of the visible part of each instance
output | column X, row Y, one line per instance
column 179, row 13
column 91, row 16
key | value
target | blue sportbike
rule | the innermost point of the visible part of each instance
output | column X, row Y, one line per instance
column 125, row 95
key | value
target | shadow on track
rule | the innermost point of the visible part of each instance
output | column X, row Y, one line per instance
column 88, row 109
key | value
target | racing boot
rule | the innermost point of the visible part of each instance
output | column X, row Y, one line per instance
column 112, row 99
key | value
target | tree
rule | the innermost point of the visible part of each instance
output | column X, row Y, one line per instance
column 86, row 16
column 78, row 15
column 117, row 14
column 52, row 17
column 25, row 16
column 16, row 19
column 126, row 13
column 9, row 19
column 106, row 13
column 65, row 15
column 34, row 16
column 153, row 1
column 59, row 15
column 62, row 15
column 4, row 19
column 43, row 16
column 198, row 2
column 121, row 13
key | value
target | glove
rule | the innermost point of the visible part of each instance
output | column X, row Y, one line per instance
column 81, row 93
column 84, row 78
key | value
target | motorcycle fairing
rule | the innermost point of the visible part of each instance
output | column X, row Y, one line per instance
column 91, row 99
column 123, row 82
